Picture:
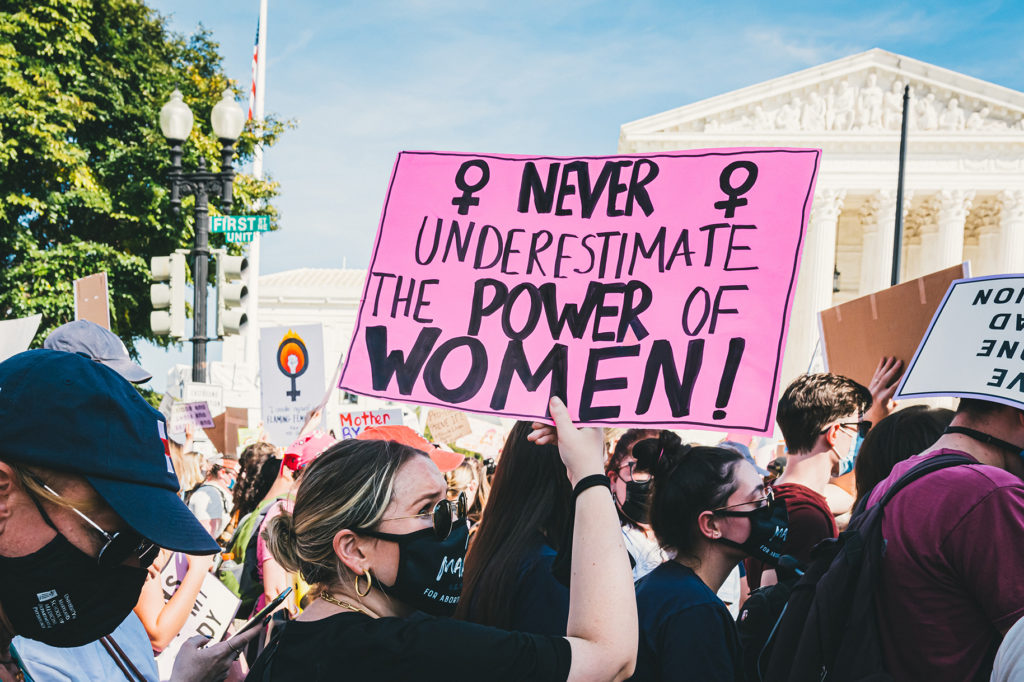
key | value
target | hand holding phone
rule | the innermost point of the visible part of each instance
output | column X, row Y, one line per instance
column 265, row 612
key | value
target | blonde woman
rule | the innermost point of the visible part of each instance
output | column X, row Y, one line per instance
column 469, row 478
column 373, row 529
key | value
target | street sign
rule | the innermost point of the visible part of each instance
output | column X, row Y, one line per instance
column 240, row 223
column 239, row 237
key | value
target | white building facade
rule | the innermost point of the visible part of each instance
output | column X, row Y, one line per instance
column 964, row 180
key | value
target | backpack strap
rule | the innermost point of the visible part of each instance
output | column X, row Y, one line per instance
column 924, row 468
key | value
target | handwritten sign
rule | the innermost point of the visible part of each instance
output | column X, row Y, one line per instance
column 353, row 423
column 974, row 347
column 642, row 289
column 211, row 394
column 185, row 414
column 447, row 426
column 212, row 612
column 291, row 378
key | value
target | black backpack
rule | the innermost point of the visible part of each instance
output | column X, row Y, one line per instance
column 828, row 629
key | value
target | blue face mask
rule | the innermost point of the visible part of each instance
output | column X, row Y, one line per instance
column 847, row 463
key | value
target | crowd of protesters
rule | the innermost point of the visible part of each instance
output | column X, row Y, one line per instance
column 405, row 560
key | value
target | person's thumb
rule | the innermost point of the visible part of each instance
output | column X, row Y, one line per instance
column 560, row 414
column 195, row 642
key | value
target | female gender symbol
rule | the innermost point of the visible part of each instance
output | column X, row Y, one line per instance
column 292, row 360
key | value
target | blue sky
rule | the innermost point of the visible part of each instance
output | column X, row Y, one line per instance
column 364, row 80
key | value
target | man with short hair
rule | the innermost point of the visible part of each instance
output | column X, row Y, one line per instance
column 87, row 497
column 211, row 502
column 820, row 416
column 950, row 584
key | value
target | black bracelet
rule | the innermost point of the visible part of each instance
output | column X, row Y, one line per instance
column 590, row 482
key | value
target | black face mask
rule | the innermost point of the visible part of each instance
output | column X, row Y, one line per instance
column 638, row 496
column 61, row 597
column 769, row 528
column 429, row 570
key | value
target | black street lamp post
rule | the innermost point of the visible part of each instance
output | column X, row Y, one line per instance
column 176, row 123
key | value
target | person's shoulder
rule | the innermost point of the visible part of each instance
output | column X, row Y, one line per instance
column 673, row 582
column 799, row 497
column 961, row 482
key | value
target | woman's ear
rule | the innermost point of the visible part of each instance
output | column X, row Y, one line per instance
column 348, row 547
column 707, row 524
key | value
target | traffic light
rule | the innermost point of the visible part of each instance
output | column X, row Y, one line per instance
column 232, row 293
column 168, row 316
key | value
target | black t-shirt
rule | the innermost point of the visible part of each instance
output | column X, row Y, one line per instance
column 686, row 632
column 353, row 646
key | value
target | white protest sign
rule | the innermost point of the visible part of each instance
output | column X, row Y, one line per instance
column 211, row 394
column 353, row 423
column 183, row 414
column 291, row 378
column 974, row 347
column 16, row 335
column 213, row 611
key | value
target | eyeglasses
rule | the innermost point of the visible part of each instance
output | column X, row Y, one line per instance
column 119, row 546
column 767, row 500
column 633, row 474
column 861, row 427
column 444, row 515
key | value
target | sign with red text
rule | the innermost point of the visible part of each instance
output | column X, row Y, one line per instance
column 974, row 347
column 353, row 423
column 642, row 289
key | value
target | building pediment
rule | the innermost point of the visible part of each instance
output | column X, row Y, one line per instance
column 860, row 95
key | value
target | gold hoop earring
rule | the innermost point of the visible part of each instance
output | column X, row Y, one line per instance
column 369, row 583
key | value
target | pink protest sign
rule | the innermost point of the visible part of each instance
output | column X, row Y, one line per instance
column 643, row 290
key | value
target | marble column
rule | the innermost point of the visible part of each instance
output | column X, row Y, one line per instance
column 814, row 286
column 1011, row 232
column 878, row 222
column 949, row 248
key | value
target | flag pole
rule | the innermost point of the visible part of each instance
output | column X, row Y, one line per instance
column 897, row 242
column 256, row 110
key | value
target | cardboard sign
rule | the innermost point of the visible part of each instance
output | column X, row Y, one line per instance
column 974, row 347
column 212, row 612
column 641, row 289
column 447, row 426
column 353, row 423
column 211, row 394
column 223, row 432
column 17, row 334
column 291, row 378
column 889, row 323
column 91, row 299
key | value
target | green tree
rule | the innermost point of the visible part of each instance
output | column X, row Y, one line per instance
column 82, row 160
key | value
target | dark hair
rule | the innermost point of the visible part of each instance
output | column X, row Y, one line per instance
column 902, row 434
column 349, row 486
column 257, row 468
column 979, row 409
column 624, row 445
column 530, row 495
column 687, row 480
column 812, row 402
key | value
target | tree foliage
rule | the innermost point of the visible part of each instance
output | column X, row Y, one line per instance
column 83, row 163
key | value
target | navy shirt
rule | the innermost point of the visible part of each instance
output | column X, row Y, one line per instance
column 686, row 632
column 541, row 603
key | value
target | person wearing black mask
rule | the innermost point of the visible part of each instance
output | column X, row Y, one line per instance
column 709, row 510
column 87, row 497
column 631, row 486
column 375, row 535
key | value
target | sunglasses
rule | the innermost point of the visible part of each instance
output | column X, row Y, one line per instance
column 862, row 427
column 731, row 510
column 119, row 546
column 633, row 474
column 444, row 516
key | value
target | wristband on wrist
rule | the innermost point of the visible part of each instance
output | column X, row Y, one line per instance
column 590, row 482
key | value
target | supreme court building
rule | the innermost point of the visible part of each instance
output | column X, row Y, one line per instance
column 964, row 182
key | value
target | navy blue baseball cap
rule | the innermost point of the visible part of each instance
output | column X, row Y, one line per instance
column 65, row 412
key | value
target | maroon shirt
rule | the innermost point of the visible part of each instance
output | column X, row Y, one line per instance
column 810, row 522
column 953, row 571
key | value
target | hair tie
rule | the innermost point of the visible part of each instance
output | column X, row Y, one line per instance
column 661, row 453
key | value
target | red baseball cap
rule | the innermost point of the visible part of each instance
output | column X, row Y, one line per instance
column 444, row 459
column 306, row 449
